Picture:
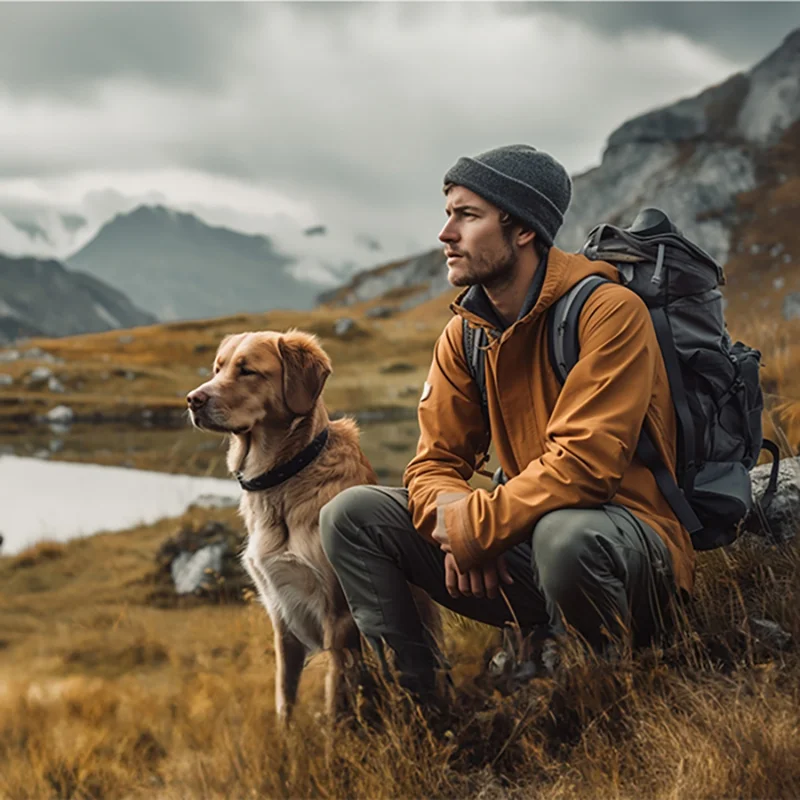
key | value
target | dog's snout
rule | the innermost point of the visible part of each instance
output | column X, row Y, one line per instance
column 196, row 399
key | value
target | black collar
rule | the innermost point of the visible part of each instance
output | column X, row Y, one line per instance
column 277, row 475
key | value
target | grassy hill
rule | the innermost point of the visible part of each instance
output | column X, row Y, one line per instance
column 104, row 694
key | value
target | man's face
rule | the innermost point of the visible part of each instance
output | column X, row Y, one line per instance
column 478, row 250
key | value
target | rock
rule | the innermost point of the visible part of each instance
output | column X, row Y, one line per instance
column 343, row 326
column 379, row 312
column 39, row 375
column 56, row 445
column 9, row 355
column 55, row 385
column 787, row 258
column 755, row 249
column 59, row 428
column 791, row 306
column 130, row 376
column 125, row 339
column 203, row 372
column 5, row 379
column 397, row 366
column 37, row 354
column 200, row 564
column 190, row 570
column 60, row 414
column 770, row 633
column 776, row 250
column 215, row 501
column 780, row 522
column 778, row 283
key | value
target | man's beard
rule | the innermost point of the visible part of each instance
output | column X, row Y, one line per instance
column 489, row 271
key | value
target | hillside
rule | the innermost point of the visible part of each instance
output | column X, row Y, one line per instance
column 177, row 267
column 43, row 298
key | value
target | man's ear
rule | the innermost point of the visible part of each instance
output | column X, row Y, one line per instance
column 525, row 237
column 306, row 367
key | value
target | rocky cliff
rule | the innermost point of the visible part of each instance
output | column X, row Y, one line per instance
column 724, row 165
column 43, row 298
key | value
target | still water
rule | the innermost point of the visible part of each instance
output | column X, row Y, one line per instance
column 59, row 500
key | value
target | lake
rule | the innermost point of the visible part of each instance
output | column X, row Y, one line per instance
column 57, row 500
column 59, row 483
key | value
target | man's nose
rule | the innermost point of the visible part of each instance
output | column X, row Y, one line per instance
column 447, row 234
column 196, row 399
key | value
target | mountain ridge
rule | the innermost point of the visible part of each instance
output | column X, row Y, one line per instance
column 41, row 297
column 179, row 267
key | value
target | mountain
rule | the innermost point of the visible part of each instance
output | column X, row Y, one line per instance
column 404, row 283
column 725, row 165
column 43, row 298
column 178, row 267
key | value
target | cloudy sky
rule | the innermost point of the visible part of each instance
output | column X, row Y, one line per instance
column 277, row 116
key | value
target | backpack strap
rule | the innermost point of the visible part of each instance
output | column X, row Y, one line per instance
column 564, row 350
column 474, row 343
column 679, row 399
column 563, row 325
column 475, row 340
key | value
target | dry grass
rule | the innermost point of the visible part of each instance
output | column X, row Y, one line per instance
column 102, row 696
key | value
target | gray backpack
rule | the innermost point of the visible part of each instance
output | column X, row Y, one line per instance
column 714, row 383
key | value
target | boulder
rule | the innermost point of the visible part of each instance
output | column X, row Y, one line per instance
column 780, row 520
column 190, row 571
column 791, row 306
column 60, row 414
column 343, row 326
column 39, row 375
column 379, row 312
column 200, row 564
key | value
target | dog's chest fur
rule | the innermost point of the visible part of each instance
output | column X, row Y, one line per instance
column 288, row 567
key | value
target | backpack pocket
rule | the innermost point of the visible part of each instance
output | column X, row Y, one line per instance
column 722, row 496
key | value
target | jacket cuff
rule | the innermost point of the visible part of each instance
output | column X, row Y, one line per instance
column 459, row 531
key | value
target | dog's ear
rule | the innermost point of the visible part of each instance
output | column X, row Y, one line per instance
column 306, row 367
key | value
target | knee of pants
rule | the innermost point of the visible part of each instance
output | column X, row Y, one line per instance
column 560, row 546
column 340, row 517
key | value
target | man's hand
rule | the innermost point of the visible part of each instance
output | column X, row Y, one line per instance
column 478, row 581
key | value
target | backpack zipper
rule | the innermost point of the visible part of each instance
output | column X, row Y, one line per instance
column 656, row 279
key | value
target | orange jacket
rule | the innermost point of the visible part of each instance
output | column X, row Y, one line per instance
column 570, row 447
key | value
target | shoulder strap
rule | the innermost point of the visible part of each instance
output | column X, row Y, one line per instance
column 563, row 325
column 564, row 351
column 474, row 341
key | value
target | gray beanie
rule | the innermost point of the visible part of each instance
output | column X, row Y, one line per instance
column 527, row 183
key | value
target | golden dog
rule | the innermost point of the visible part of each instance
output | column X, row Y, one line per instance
column 265, row 393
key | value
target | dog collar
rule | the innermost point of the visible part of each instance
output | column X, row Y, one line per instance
column 277, row 475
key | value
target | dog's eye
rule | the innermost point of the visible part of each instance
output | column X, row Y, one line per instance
column 244, row 371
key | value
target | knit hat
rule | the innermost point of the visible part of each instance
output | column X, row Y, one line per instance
column 527, row 183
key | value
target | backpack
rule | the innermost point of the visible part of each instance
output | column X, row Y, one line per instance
column 714, row 383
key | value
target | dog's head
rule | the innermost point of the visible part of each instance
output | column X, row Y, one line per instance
column 260, row 378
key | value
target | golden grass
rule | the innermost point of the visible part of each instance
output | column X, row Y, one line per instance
column 103, row 696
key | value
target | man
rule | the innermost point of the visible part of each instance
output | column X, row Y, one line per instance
column 580, row 534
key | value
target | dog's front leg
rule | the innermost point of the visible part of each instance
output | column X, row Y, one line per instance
column 290, row 657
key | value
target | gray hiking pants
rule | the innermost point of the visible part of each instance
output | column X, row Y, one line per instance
column 591, row 568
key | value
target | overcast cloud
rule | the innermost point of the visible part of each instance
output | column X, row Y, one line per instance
column 274, row 117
